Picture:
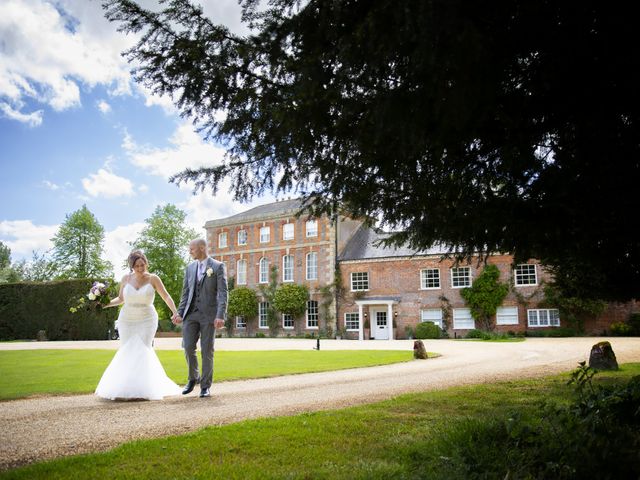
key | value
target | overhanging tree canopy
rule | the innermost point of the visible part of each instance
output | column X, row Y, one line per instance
column 491, row 127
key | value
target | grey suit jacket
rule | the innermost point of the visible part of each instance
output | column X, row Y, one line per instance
column 213, row 291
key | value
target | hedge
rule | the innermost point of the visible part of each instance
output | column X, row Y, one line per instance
column 27, row 307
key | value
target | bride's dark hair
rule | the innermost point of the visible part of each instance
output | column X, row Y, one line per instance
column 134, row 257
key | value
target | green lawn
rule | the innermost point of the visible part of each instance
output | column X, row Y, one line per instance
column 31, row 372
column 381, row 440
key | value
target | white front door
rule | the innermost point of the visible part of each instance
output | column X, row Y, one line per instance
column 380, row 327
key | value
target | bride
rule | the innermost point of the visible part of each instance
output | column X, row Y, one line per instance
column 135, row 371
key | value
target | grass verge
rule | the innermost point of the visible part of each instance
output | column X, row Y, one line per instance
column 381, row 440
column 31, row 372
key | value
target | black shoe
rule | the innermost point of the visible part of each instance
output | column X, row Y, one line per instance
column 188, row 388
column 204, row 392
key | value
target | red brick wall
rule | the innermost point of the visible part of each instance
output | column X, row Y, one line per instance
column 401, row 278
column 274, row 251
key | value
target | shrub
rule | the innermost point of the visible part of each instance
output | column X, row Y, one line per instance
column 475, row 333
column 426, row 330
column 26, row 308
column 554, row 332
column 595, row 436
column 260, row 335
column 620, row 329
column 634, row 323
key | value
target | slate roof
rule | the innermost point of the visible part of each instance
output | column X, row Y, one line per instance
column 269, row 210
column 363, row 246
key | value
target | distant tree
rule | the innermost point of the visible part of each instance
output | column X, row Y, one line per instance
column 165, row 242
column 78, row 247
column 485, row 296
column 40, row 269
column 5, row 256
column 509, row 128
column 9, row 273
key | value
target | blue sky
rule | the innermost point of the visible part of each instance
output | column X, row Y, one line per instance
column 75, row 129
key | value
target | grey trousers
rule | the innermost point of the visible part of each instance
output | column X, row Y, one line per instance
column 195, row 326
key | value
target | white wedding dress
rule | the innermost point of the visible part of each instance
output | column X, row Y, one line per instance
column 135, row 371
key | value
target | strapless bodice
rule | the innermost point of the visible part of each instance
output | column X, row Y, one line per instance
column 138, row 297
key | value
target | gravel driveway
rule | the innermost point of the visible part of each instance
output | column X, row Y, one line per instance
column 47, row 427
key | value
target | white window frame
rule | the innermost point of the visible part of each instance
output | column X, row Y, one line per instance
column 287, row 273
column 519, row 276
column 312, row 228
column 312, row 268
column 433, row 315
column 242, row 237
column 263, row 270
column 536, row 317
column 507, row 316
column 288, row 231
column 455, row 275
column 352, row 318
column 359, row 282
column 313, row 314
column 241, row 273
column 223, row 240
column 288, row 318
column 241, row 322
column 462, row 319
column 263, row 318
column 265, row 234
column 424, row 277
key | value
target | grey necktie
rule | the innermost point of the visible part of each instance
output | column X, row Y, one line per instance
column 200, row 271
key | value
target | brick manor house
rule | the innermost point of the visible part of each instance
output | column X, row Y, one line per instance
column 384, row 291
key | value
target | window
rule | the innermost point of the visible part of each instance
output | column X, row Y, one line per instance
column 263, row 308
column 312, row 266
column 461, row 277
column 430, row 278
column 241, row 322
column 359, row 281
column 265, row 234
column 242, row 237
column 543, row 317
column 352, row 321
column 222, row 240
column 526, row 275
column 462, row 319
column 432, row 315
column 287, row 231
column 507, row 316
column 287, row 321
column 263, row 271
column 287, row 268
column 312, row 228
column 312, row 314
column 241, row 272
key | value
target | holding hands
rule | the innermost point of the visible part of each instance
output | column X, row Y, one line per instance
column 176, row 319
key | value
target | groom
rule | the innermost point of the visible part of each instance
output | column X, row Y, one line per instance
column 203, row 308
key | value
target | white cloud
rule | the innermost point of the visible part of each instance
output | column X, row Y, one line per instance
column 143, row 188
column 50, row 50
column 51, row 185
column 107, row 184
column 188, row 150
column 103, row 106
column 33, row 119
column 24, row 237
column 117, row 247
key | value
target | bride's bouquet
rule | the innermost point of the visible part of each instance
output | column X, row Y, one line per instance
column 97, row 297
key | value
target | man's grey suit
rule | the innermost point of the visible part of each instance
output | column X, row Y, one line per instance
column 201, row 303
